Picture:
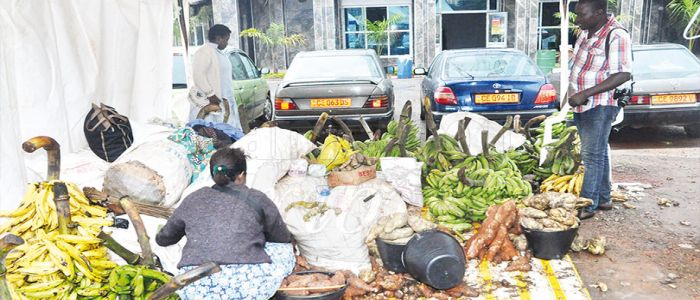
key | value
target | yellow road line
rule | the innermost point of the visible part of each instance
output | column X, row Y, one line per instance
column 558, row 293
column 583, row 286
column 522, row 286
column 486, row 276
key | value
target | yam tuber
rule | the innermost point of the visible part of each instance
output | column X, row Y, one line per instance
column 462, row 290
column 520, row 263
column 398, row 233
column 419, row 224
column 391, row 282
column 493, row 232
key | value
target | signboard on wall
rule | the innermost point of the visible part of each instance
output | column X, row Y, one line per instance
column 496, row 30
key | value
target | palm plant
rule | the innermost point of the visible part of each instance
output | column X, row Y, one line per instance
column 378, row 31
column 681, row 11
column 274, row 37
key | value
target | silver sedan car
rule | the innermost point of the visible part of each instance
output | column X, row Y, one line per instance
column 667, row 88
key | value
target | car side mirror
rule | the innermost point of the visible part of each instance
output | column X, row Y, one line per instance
column 264, row 71
column 420, row 71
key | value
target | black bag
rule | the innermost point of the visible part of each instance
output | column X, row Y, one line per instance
column 622, row 95
column 107, row 132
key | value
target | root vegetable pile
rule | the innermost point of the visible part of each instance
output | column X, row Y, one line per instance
column 551, row 211
column 316, row 283
column 492, row 242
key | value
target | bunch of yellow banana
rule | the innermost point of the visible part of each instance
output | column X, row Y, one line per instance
column 38, row 210
column 564, row 183
column 51, row 264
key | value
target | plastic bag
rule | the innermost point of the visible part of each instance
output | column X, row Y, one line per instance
column 403, row 173
column 510, row 140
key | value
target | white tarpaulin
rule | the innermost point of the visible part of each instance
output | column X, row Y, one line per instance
column 56, row 57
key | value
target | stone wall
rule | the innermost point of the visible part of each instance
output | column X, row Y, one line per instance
column 424, row 32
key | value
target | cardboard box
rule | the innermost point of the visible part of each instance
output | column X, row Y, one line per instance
column 354, row 177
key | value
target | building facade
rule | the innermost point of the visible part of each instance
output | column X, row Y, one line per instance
column 418, row 28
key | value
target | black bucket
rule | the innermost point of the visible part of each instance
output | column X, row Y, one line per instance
column 550, row 244
column 391, row 255
column 435, row 258
column 332, row 295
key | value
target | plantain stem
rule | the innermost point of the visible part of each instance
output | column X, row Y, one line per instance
column 531, row 122
column 485, row 144
column 60, row 196
column 141, row 234
column 7, row 243
column 318, row 127
column 184, row 279
column 506, row 126
column 53, row 151
column 345, row 128
column 431, row 125
column 461, row 135
column 109, row 242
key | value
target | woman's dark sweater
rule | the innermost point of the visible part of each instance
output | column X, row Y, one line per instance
column 222, row 227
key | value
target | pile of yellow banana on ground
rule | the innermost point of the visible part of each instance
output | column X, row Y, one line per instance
column 52, row 264
column 564, row 183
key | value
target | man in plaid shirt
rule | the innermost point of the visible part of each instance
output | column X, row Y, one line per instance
column 594, row 76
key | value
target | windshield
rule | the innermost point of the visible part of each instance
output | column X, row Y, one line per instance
column 179, row 76
column 489, row 65
column 332, row 67
column 663, row 61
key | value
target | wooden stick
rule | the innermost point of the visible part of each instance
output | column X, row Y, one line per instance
column 60, row 196
column 7, row 243
column 318, row 127
column 109, row 242
column 311, row 288
column 344, row 127
column 184, row 279
column 53, row 150
column 141, row 234
column 366, row 127
column 506, row 126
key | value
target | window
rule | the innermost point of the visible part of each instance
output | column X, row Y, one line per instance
column 549, row 28
column 489, row 65
column 396, row 40
column 467, row 5
column 333, row 67
column 238, row 70
column 250, row 68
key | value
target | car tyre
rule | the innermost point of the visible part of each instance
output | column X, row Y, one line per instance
column 693, row 130
column 268, row 110
column 422, row 113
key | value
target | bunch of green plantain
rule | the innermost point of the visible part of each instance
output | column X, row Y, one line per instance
column 134, row 282
column 376, row 148
column 459, row 188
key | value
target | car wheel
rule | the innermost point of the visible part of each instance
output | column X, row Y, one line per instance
column 422, row 113
column 693, row 130
column 267, row 110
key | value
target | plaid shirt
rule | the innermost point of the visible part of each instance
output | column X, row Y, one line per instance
column 590, row 66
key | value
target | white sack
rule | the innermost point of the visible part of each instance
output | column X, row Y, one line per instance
column 155, row 172
column 270, row 152
column 510, row 140
column 404, row 174
column 335, row 241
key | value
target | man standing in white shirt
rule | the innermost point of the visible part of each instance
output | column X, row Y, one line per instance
column 212, row 73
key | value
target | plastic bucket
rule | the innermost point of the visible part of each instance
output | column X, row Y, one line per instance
column 333, row 295
column 435, row 258
column 391, row 255
column 550, row 245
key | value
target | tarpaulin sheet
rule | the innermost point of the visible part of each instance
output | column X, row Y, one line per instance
column 548, row 279
column 56, row 57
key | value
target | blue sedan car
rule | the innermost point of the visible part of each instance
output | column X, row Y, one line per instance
column 495, row 83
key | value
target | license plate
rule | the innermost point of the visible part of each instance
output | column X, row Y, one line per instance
column 496, row 98
column 673, row 99
column 331, row 102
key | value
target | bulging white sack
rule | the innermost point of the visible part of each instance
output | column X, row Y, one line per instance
column 510, row 140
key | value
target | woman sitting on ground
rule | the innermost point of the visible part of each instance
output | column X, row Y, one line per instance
column 238, row 228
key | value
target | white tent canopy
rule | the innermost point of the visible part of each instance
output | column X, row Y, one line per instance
column 57, row 57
